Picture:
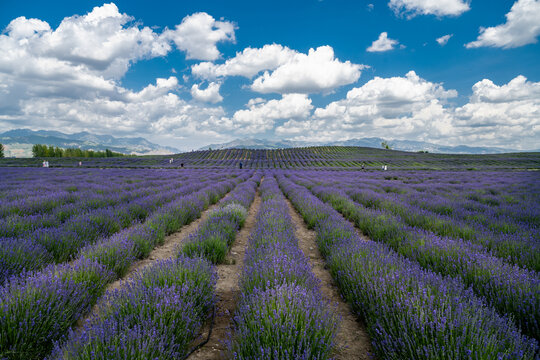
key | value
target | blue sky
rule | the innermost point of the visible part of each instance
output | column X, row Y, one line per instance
column 479, row 87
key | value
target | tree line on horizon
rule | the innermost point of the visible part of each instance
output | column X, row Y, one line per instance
column 39, row 150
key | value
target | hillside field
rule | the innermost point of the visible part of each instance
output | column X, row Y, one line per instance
column 331, row 157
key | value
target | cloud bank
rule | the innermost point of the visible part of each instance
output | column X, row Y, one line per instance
column 413, row 108
column 68, row 78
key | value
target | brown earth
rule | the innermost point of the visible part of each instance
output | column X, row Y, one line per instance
column 352, row 339
column 227, row 290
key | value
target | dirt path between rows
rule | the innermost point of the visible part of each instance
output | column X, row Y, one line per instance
column 352, row 339
column 165, row 251
column 228, row 291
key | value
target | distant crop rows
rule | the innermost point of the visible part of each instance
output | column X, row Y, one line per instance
column 328, row 157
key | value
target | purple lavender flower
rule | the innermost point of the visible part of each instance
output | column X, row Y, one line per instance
column 157, row 315
column 39, row 309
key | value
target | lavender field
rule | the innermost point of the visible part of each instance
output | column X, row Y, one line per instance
column 218, row 262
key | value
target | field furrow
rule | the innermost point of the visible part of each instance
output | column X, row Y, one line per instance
column 352, row 340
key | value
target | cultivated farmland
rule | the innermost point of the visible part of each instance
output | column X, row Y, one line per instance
column 300, row 254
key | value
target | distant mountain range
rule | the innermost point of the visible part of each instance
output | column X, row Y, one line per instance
column 402, row 145
column 19, row 142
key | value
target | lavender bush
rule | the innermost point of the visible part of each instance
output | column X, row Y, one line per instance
column 20, row 255
column 214, row 237
column 39, row 309
column 156, row 316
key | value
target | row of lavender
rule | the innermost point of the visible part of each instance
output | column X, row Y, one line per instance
column 59, row 208
column 498, row 211
column 488, row 198
column 281, row 313
column 38, row 309
column 214, row 238
column 512, row 290
column 32, row 250
column 61, row 195
column 156, row 316
column 159, row 313
column 410, row 312
column 32, row 191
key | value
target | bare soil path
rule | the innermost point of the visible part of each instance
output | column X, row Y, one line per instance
column 165, row 251
column 352, row 338
column 227, row 290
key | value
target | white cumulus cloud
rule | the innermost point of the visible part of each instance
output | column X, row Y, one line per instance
column 260, row 116
column 69, row 78
column 396, row 107
column 317, row 71
column 506, row 115
column 210, row 94
column 411, row 8
column 247, row 63
column 198, row 35
column 162, row 87
column 443, row 40
column 285, row 70
column 98, row 43
column 522, row 27
column 399, row 105
column 518, row 89
column 383, row 43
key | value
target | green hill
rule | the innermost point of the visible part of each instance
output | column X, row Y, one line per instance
column 324, row 157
